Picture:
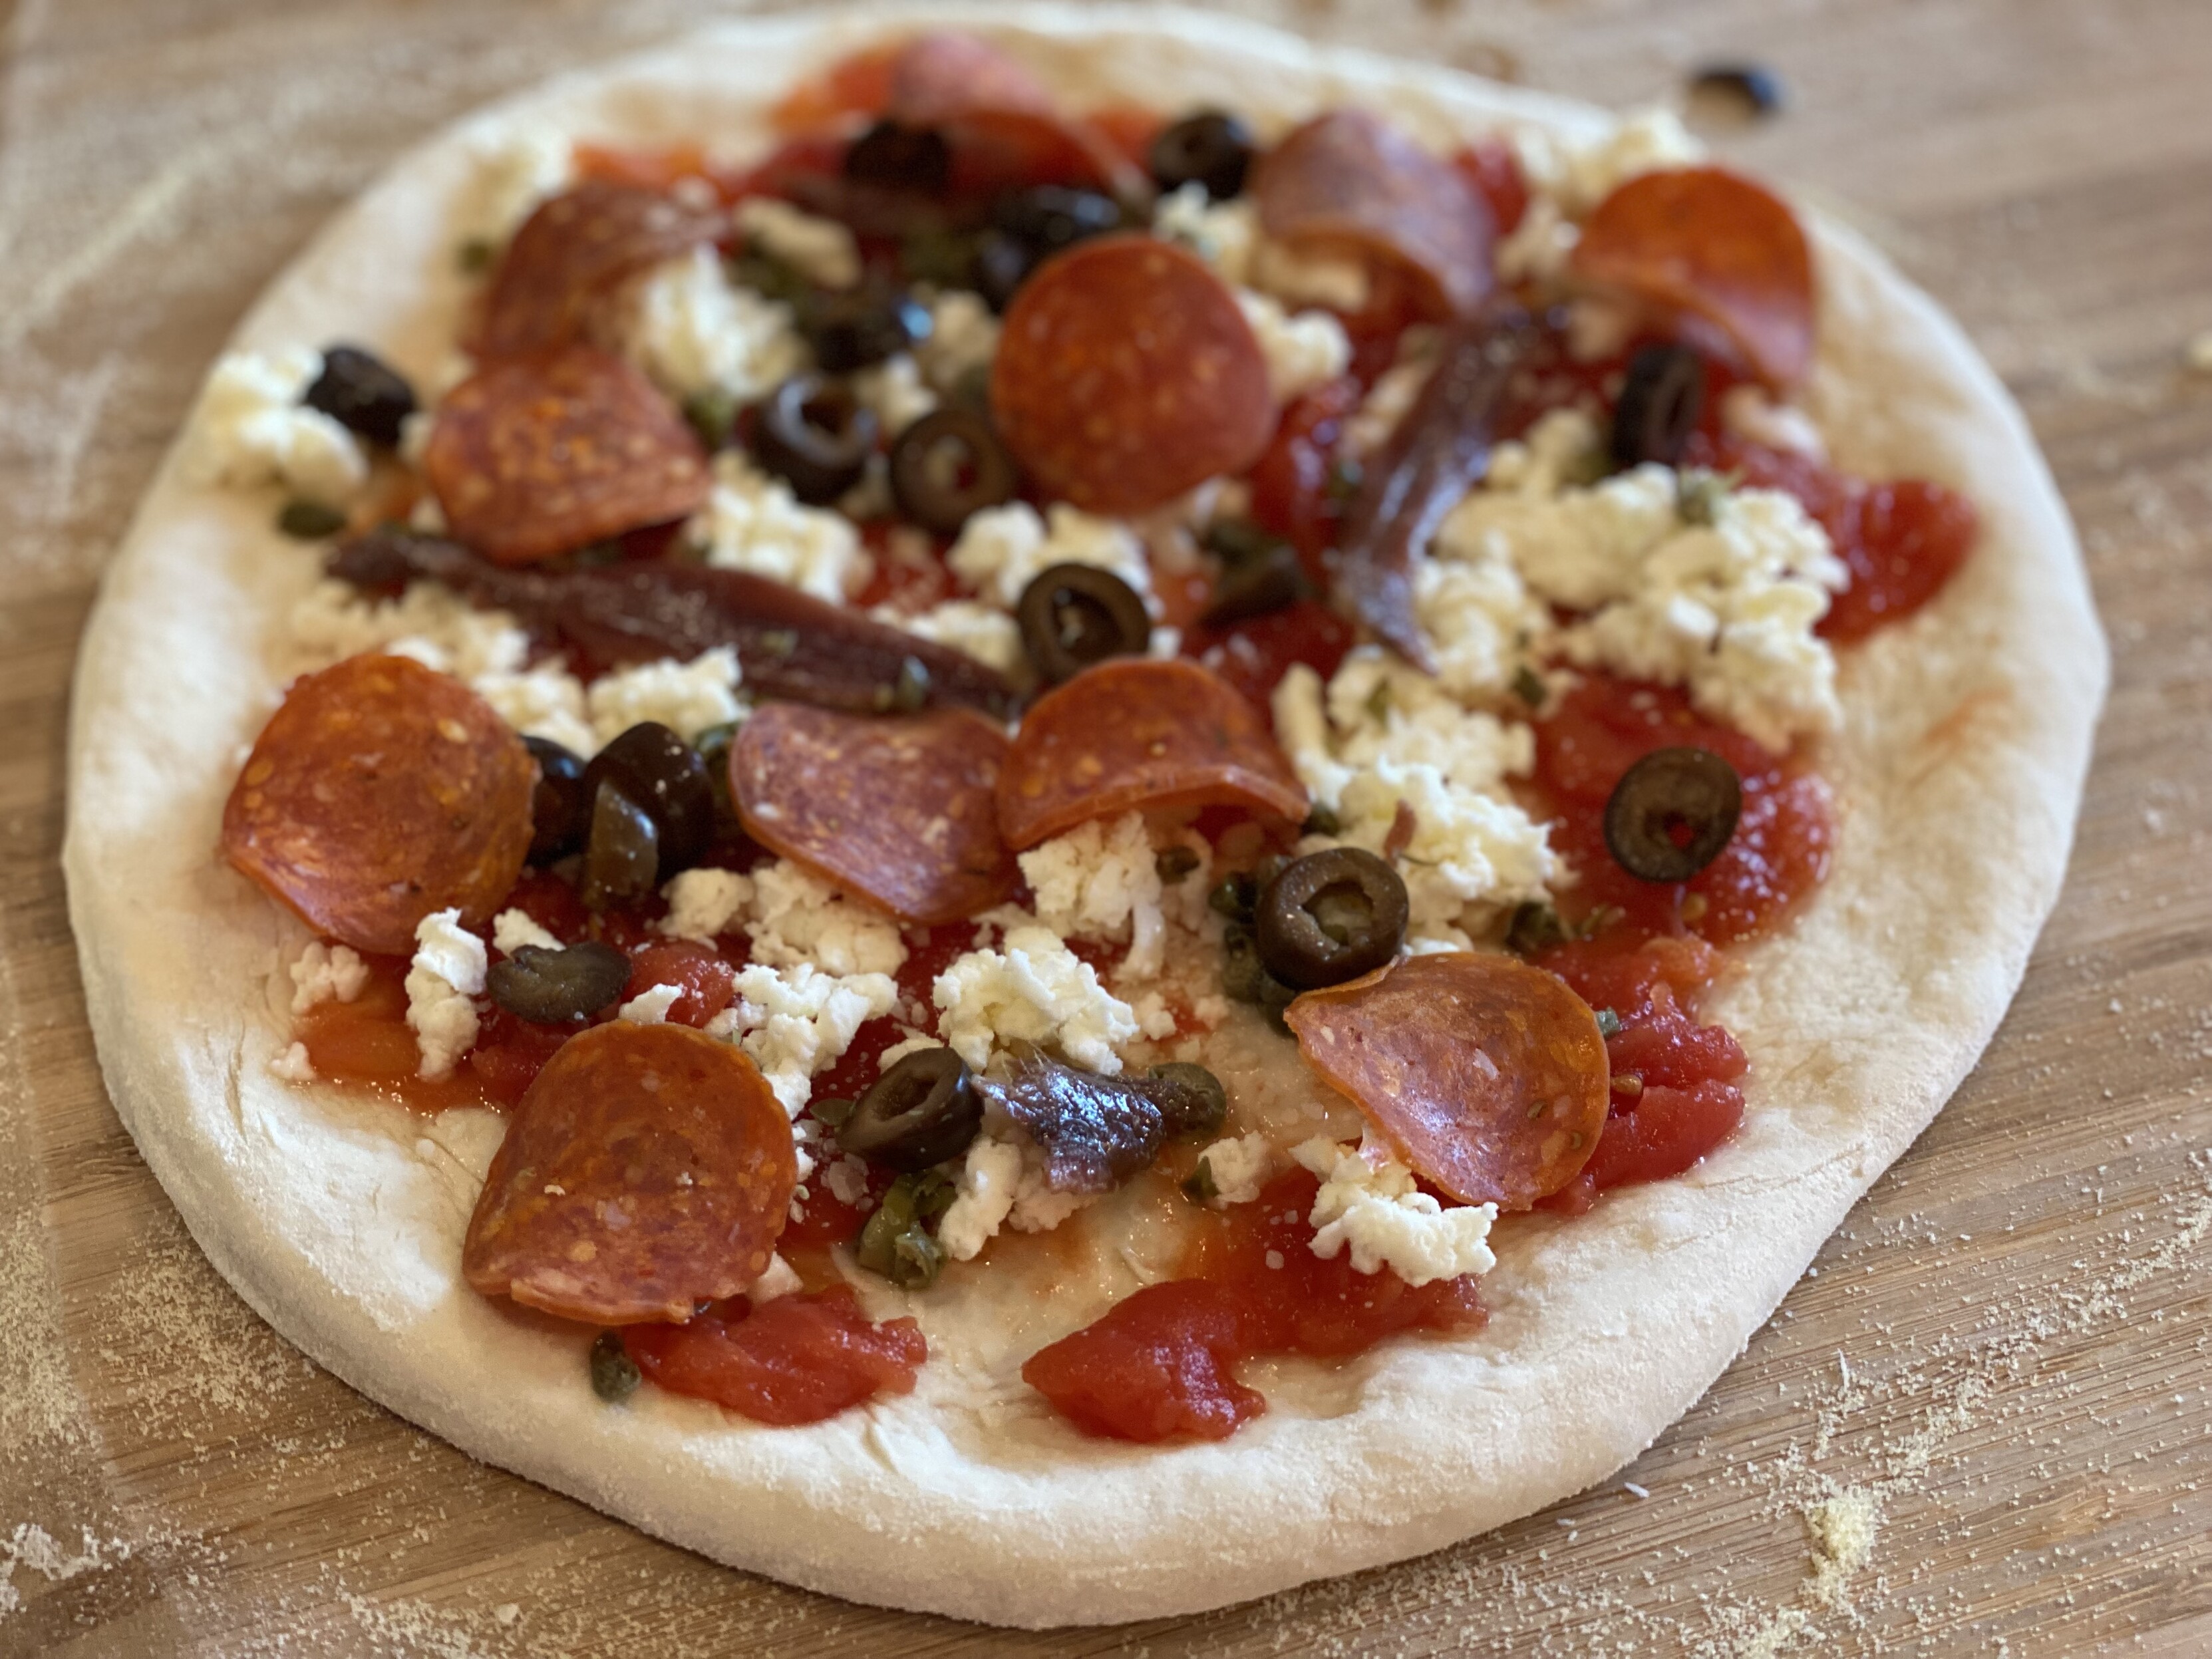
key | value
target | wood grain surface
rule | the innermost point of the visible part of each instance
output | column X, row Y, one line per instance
column 2001, row 1360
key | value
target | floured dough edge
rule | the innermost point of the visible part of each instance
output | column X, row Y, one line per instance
column 1961, row 764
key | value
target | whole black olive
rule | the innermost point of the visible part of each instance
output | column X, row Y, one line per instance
column 1075, row 615
column 622, row 854
column 858, row 326
column 1003, row 263
column 949, row 464
column 549, row 987
column 1659, row 405
column 902, row 157
column 815, row 435
column 1209, row 149
column 1329, row 917
column 1671, row 812
column 1256, row 587
column 1046, row 218
column 666, row 778
column 561, row 806
column 362, row 394
column 922, row 1111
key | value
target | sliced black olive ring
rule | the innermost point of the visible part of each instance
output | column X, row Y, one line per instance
column 858, row 326
column 622, row 853
column 1046, row 218
column 1075, row 615
column 551, row 985
column 815, row 435
column 1330, row 917
column 947, row 466
column 922, row 1111
column 666, row 778
column 1672, row 813
column 1210, row 148
column 902, row 157
column 1659, row 405
column 561, row 806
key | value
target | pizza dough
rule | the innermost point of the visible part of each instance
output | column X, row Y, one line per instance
column 1959, row 767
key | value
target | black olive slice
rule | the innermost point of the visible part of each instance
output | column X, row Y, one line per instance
column 1210, row 148
column 1659, row 406
column 862, row 325
column 561, row 806
column 1255, row 586
column 902, row 157
column 947, row 466
column 815, row 435
column 1075, row 615
column 1671, row 812
column 666, row 777
column 1046, row 218
column 1330, row 917
column 622, row 854
column 1003, row 263
column 549, row 986
column 922, row 1111
column 362, row 394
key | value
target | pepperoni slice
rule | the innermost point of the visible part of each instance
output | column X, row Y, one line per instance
column 938, row 75
column 1709, row 242
column 1350, row 181
column 1488, row 1076
column 379, row 792
column 648, row 1170
column 999, row 121
column 1136, row 734
column 575, row 249
column 542, row 455
column 899, row 809
column 797, row 1359
column 1126, row 374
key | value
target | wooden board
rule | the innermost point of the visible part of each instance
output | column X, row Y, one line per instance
column 2002, row 1361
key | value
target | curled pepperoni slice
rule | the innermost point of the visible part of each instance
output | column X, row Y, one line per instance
column 379, row 792
column 998, row 120
column 899, row 809
column 1350, row 181
column 797, row 1359
column 1706, row 241
column 1126, row 374
column 1137, row 734
column 945, row 73
column 648, row 1170
column 541, row 455
column 574, row 250
column 1488, row 1076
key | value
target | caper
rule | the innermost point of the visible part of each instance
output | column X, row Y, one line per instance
column 900, row 156
column 561, row 806
column 1234, row 896
column 1536, row 928
column 815, row 435
column 1073, row 616
column 1255, row 586
column 1241, row 972
column 1672, row 813
column 1174, row 863
column 712, row 415
column 1320, row 820
column 622, row 853
column 922, row 1111
column 666, row 777
column 1198, row 1104
column 949, row 464
column 1237, row 541
column 548, row 987
column 1329, row 917
column 614, row 1374
column 363, row 394
column 1658, row 406
column 1199, row 1186
column 1211, row 149
column 309, row 522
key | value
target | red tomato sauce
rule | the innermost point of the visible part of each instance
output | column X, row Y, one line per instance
column 797, row 1359
column 368, row 1042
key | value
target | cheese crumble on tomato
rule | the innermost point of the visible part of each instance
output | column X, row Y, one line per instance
column 1370, row 1203
column 445, row 977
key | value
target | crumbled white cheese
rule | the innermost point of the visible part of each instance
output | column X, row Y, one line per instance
column 1002, row 550
column 778, row 1278
column 685, row 697
column 703, row 903
column 515, row 172
column 895, row 390
column 1377, row 1208
column 820, row 250
column 914, row 1043
column 1376, row 708
column 1387, row 402
column 964, row 338
column 799, row 918
column 650, row 1006
column 1239, row 1166
column 794, row 1022
column 544, row 701
column 429, row 622
column 1483, row 626
column 1581, row 171
column 513, row 929
column 326, row 973
column 753, row 522
column 847, row 1179
column 250, row 429
column 1576, row 547
column 1538, row 249
column 1101, row 880
column 1301, row 278
column 1468, row 848
column 1222, row 233
column 1748, row 411
column 990, row 636
column 1563, row 447
column 293, row 1066
column 1002, row 1182
column 1302, row 351
column 1036, row 989
column 693, row 330
column 446, row 972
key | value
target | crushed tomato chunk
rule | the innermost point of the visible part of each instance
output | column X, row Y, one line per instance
column 797, row 1359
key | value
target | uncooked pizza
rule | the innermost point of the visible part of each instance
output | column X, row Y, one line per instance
column 1058, row 822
